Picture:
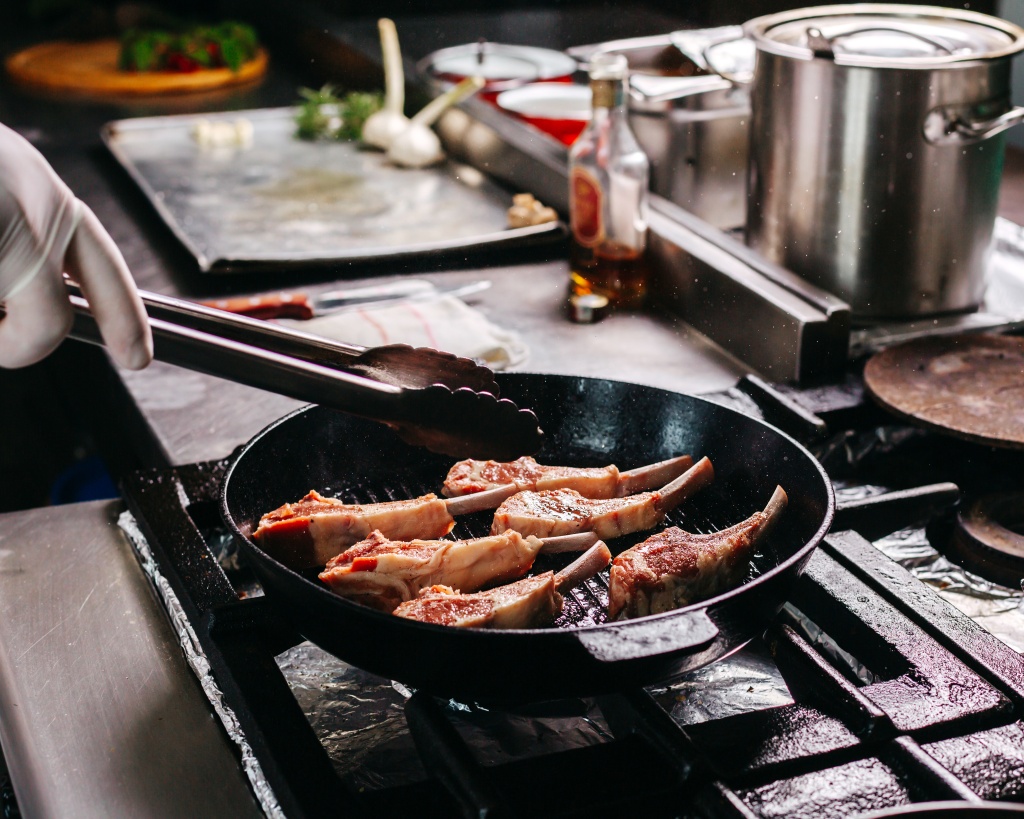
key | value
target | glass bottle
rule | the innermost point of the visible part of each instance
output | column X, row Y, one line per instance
column 608, row 183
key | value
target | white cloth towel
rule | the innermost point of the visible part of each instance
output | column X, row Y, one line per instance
column 444, row 323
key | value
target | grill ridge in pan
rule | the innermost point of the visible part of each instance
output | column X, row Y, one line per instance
column 587, row 422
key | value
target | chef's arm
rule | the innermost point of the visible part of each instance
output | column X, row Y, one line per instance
column 46, row 232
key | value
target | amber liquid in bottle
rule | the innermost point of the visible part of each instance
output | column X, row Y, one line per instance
column 611, row 269
column 608, row 180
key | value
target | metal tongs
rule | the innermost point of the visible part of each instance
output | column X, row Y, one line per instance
column 433, row 399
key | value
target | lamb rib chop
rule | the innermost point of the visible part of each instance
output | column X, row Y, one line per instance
column 470, row 476
column 527, row 603
column 309, row 533
column 675, row 568
column 565, row 511
column 383, row 573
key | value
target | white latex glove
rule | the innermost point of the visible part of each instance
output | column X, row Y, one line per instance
column 44, row 232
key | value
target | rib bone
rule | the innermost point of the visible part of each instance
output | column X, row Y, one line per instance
column 675, row 568
column 565, row 511
column 584, row 567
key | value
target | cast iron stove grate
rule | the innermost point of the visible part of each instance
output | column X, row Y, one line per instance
column 930, row 707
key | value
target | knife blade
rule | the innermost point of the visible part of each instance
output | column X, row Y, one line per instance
column 301, row 305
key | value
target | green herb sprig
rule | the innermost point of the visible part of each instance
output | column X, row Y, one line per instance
column 227, row 44
column 323, row 114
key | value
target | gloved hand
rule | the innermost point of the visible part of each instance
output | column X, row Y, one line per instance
column 44, row 232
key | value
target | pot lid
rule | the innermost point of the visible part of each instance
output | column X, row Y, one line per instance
column 497, row 62
column 873, row 34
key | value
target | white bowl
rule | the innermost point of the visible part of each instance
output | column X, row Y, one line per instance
column 548, row 100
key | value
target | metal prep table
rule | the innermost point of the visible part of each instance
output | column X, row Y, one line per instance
column 99, row 715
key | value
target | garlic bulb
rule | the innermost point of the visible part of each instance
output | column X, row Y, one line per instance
column 223, row 134
column 418, row 146
column 383, row 126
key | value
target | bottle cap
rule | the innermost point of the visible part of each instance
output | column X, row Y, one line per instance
column 587, row 308
column 606, row 65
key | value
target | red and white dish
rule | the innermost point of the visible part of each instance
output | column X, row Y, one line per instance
column 557, row 108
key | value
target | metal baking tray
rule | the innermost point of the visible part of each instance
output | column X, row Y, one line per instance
column 278, row 200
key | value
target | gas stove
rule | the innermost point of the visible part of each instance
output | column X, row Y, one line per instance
column 868, row 692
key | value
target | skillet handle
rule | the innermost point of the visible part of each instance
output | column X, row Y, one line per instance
column 640, row 640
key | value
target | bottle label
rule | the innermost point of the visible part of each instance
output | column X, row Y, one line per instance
column 585, row 207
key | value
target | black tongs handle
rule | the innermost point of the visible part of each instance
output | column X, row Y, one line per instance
column 398, row 365
column 255, row 332
column 459, row 422
column 253, row 366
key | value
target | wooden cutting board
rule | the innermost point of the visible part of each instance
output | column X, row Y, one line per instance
column 91, row 68
column 969, row 385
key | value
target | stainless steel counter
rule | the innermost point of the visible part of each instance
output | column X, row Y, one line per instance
column 99, row 715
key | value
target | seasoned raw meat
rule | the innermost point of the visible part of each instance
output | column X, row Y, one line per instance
column 675, row 568
column 471, row 476
column 312, row 531
column 475, row 476
column 526, row 603
column 565, row 511
column 309, row 533
column 382, row 573
column 532, row 601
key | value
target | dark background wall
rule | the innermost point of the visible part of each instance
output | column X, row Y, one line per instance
column 83, row 17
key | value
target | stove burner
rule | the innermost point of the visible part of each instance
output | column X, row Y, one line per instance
column 988, row 539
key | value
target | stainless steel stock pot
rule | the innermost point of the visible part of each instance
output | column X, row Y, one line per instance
column 876, row 150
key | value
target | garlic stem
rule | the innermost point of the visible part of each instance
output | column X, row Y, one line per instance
column 433, row 109
column 394, row 74
column 382, row 127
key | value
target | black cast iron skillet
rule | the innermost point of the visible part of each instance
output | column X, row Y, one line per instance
column 586, row 422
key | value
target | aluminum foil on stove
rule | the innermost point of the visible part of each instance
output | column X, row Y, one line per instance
column 358, row 717
column 743, row 682
column 998, row 609
column 360, row 721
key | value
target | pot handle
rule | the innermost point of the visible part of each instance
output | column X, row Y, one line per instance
column 961, row 124
column 742, row 77
column 643, row 89
column 699, row 46
column 638, row 640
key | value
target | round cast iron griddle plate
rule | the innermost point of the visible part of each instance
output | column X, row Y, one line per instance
column 971, row 386
column 586, row 421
